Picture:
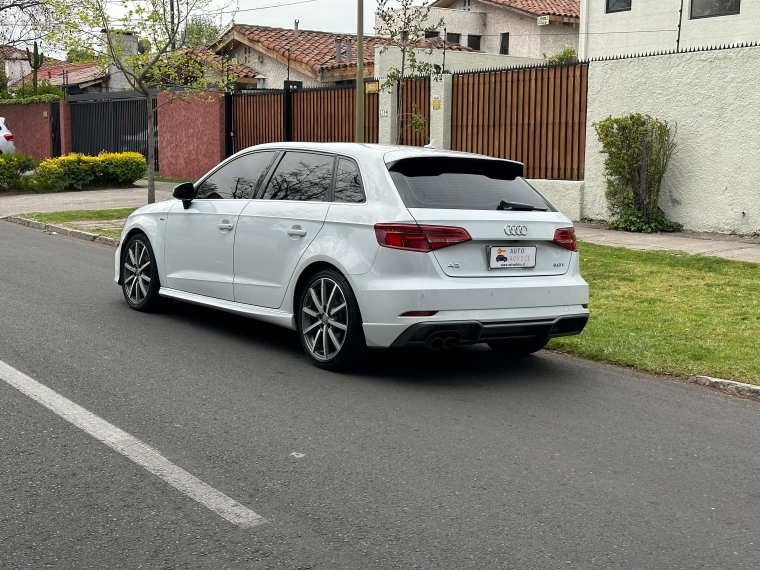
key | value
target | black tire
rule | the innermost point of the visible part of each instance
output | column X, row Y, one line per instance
column 519, row 348
column 139, row 294
column 310, row 318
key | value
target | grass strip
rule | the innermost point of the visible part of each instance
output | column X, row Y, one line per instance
column 670, row 312
column 65, row 218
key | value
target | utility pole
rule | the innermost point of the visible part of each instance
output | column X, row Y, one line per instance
column 360, row 72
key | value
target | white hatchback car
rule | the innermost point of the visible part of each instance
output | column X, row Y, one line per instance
column 359, row 245
column 7, row 146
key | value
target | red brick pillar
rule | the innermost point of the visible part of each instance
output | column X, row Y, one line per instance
column 65, row 118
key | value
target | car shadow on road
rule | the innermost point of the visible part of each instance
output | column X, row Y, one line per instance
column 463, row 365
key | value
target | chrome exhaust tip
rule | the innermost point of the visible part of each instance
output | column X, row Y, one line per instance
column 435, row 343
column 450, row 342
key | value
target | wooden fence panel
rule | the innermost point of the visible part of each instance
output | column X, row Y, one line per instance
column 536, row 116
column 329, row 115
column 257, row 119
column 415, row 99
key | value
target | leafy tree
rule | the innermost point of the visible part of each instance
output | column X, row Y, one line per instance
column 638, row 149
column 43, row 88
column 80, row 54
column 404, row 27
column 24, row 21
column 155, row 65
column 201, row 30
column 567, row 55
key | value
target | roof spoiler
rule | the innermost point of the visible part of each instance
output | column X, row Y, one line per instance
column 436, row 165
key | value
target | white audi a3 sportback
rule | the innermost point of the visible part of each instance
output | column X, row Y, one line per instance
column 359, row 245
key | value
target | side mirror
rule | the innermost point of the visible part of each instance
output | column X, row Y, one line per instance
column 184, row 192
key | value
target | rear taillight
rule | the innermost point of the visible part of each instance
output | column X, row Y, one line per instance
column 566, row 238
column 418, row 314
column 413, row 237
column 8, row 136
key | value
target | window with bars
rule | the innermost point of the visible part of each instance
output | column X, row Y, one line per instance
column 473, row 42
column 432, row 34
column 453, row 38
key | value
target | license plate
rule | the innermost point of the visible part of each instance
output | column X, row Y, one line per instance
column 500, row 257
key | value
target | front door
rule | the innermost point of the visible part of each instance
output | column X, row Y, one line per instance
column 199, row 240
column 274, row 231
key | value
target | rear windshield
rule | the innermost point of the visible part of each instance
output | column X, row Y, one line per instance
column 462, row 183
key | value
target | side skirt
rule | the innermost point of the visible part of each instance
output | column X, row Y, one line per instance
column 274, row 316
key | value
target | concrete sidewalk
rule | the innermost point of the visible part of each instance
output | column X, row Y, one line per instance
column 718, row 245
column 85, row 200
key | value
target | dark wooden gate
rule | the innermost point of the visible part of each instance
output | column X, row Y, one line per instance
column 536, row 116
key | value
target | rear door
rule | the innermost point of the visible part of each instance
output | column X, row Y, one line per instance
column 275, row 230
column 515, row 241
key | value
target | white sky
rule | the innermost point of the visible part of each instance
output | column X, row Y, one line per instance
column 324, row 15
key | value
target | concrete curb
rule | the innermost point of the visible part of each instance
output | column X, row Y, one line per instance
column 63, row 231
column 737, row 388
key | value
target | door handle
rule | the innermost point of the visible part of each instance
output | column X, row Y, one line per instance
column 296, row 231
column 225, row 226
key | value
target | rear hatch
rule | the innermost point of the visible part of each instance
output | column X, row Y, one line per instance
column 515, row 240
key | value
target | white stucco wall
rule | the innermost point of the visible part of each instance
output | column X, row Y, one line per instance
column 566, row 195
column 275, row 71
column 455, row 60
column 655, row 23
column 526, row 38
column 713, row 97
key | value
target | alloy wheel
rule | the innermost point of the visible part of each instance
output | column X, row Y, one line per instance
column 324, row 318
column 137, row 272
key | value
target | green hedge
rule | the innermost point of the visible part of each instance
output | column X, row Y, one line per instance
column 12, row 167
column 78, row 171
column 29, row 100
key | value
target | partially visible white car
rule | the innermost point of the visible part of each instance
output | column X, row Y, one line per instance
column 6, row 139
column 363, row 245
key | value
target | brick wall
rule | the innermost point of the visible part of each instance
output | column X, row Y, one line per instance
column 31, row 128
column 191, row 135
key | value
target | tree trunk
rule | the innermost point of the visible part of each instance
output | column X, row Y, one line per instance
column 151, row 150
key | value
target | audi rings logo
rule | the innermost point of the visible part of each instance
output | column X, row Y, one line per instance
column 516, row 230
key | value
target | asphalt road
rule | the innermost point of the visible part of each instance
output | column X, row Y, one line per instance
column 423, row 460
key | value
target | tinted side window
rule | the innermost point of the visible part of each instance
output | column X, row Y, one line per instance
column 301, row 176
column 348, row 185
column 236, row 180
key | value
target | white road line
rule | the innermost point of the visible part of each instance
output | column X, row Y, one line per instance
column 132, row 448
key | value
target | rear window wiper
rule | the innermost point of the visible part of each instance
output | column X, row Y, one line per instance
column 504, row 205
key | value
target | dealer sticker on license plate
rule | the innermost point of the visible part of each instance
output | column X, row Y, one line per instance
column 500, row 257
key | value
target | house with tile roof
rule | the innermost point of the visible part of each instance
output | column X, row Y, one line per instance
column 87, row 77
column 315, row 58
column 522, row 28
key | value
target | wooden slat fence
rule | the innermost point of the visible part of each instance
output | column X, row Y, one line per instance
column 415, row 99
column 329, row 115
column 256, row 118
column 536, row 116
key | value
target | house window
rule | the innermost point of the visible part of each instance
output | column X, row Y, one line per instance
column 432, row 34
column 504, row 48
column 453, row 38
column 709, row 8
column 473, row 42
column 619, row 6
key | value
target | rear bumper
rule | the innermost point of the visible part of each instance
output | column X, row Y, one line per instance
column 472, row 332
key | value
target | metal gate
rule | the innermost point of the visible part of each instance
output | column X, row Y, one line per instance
column 107, row 122
column 55, row 121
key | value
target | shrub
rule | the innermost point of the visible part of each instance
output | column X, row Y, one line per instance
column 638, row 149
column 567, row 55
column 12, row 168
column 78, row 171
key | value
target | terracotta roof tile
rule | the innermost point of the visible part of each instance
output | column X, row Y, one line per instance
column 568, row 8
column 315, row 49
column 75, row 74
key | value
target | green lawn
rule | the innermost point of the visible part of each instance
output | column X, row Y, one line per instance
column 670, row 312
column 65, row 219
